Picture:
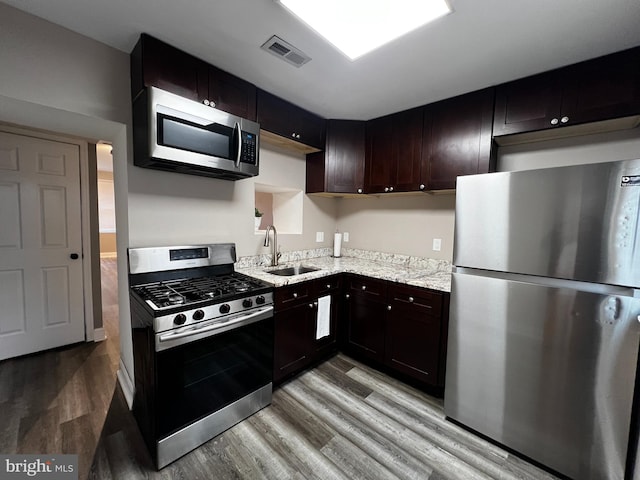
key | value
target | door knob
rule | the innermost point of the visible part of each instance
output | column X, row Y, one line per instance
column 74, row 256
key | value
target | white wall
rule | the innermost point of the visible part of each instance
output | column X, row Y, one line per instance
column 408, row 224
column 602, row 147
column 58, row 81
column 399, row 224
column 175, row 209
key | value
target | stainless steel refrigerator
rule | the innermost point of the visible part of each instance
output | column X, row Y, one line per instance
column 545, row 311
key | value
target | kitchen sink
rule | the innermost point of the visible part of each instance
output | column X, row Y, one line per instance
column 290, row 271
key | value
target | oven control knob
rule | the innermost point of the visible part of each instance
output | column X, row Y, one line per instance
column 260, row 300
column 225, row 308
column 198, row 315
column 247, row 302
column 180, row 319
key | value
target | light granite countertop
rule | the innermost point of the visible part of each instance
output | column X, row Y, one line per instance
column 415, row 271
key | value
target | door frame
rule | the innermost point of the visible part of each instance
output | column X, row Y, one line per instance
column 85, row 216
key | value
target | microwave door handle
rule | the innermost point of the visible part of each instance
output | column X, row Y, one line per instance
column 238, row 134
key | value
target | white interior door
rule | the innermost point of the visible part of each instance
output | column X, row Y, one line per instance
column 41, row 289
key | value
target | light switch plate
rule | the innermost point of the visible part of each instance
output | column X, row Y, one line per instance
column 345, row 237
column 437, row 244
column 319, row 236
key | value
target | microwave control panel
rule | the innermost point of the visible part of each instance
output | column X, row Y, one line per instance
column 249, row 148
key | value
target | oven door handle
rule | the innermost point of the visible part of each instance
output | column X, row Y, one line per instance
column 213, row 329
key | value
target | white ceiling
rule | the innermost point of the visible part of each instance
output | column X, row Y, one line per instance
column 483, row 43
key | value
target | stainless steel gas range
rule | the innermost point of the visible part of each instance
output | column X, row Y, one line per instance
column 202, row 344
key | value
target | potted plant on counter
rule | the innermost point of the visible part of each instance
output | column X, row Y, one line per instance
column 258, row 218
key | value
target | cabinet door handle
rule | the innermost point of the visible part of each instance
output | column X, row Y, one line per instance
column 410, row 299
column 564, row 119
column 391, row 189
column 388, row 307
column 554, row 121
column 422, row 186
column 359, row 190
column 311, row 305
column 295, row 295
column 364, row 287
column 328, row 285
column 386, row 189
column 347, row 296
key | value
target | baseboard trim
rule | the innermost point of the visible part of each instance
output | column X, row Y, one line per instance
column 99, row 335
column 126, row 384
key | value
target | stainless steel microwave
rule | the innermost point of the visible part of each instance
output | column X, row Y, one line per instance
column 176, row 134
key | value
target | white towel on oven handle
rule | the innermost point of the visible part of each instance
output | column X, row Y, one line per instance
column 323, row 317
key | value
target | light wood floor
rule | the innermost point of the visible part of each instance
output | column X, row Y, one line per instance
column 341, row 420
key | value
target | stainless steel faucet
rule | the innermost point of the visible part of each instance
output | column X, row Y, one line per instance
column 275, row 255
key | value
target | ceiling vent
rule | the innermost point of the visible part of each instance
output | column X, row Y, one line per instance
column 278, row 47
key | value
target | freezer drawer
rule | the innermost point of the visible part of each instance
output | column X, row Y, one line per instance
column 547, row 371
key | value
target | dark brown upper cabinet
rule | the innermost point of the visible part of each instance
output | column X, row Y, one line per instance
column 457, row 139
column 393, row 152
column 600, row 89
column 155, row 63
column 231, row 94
column 339, row 169
column 289, row 121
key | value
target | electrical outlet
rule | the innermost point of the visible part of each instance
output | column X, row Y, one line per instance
column 437, row 244
column 345, row 237
column 319, row 236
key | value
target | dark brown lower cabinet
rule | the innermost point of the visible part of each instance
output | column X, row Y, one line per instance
column 366, row 310
column 296, row 320
column 293, row 340
column 414, row 333
column 400, row 328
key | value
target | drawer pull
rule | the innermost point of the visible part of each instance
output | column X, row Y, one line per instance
column 388, row 307
column 295, row 295
column 347, row 296
column 364, row 287
column 410, row 299
column 328, row 285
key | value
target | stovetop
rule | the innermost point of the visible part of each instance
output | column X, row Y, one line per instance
column 189, row 292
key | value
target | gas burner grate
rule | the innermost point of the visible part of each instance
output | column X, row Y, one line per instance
column 192, row 290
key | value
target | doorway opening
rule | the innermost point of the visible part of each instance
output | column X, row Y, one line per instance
column 108, row 244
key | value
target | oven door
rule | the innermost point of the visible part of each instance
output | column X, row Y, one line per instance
column 196, row 378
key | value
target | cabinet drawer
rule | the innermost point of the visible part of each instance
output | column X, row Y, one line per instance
column 367, row 286
column 292, row 295
column 430, row 302
column 327, row 284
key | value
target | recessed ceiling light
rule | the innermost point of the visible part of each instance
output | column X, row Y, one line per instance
column 357, row 27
